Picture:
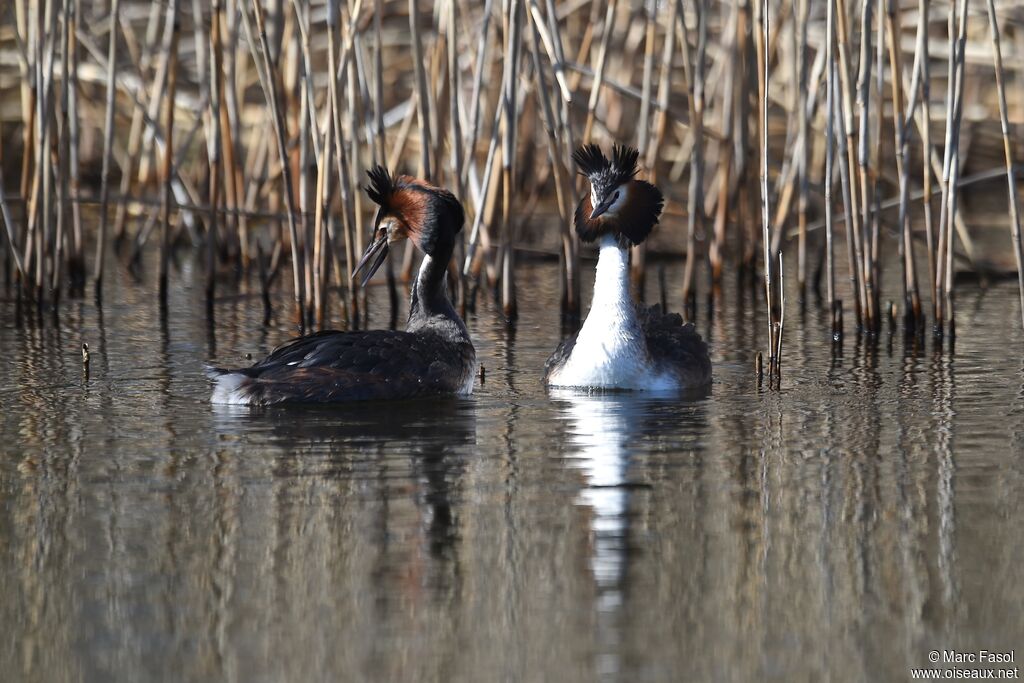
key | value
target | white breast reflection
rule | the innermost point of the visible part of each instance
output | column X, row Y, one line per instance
column 600, row 431
column 597, row 428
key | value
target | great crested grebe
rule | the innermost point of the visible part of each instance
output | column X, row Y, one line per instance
column 433, row 356
column 622, row 345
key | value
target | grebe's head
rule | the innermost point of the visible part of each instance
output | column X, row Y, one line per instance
column 409, row 208
column 618, row 203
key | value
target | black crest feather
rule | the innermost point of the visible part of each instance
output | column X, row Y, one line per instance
column 605, row 172
column 381, row 186
column 590, row 160
column 624, row 161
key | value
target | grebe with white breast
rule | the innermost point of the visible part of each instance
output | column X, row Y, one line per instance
column 622, row 345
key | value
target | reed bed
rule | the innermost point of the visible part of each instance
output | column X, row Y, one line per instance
column 251, row 123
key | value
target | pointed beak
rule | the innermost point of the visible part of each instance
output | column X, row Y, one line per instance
column 376, row 252
column 601, row 208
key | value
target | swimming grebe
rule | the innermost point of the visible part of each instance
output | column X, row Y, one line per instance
column 433, row 356
column 622, row 345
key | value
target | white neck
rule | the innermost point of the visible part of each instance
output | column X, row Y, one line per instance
column 610, row 349
column 612, row 302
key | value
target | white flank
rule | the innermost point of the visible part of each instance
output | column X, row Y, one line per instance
column 469, row 382
column 610, row 350
column 229, row 389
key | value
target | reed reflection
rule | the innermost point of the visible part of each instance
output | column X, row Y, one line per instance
column 837, row 529
column 376, row 445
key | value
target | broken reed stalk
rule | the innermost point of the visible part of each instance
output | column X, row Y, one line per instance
column 108, row 142
column 1004, row 122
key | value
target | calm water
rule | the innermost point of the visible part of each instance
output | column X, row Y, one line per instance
column 841, row 528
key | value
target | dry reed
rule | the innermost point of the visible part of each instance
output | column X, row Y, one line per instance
column 343, row 84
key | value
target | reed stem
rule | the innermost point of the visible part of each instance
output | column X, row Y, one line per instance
column 997, row 57
column 171, row 72
column 269, row 82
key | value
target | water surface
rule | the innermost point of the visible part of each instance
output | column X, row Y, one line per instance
column 841, row 528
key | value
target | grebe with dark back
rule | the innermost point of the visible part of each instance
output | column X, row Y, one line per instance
column 433, row 356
